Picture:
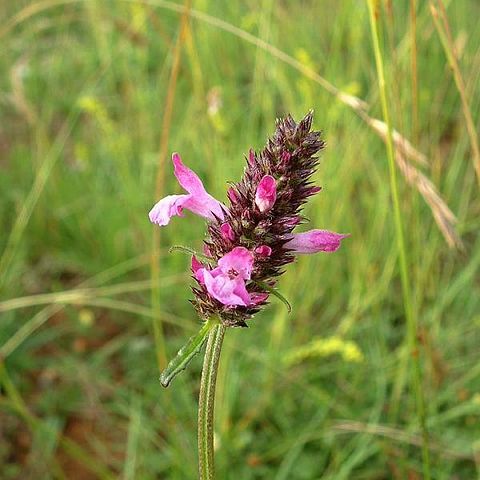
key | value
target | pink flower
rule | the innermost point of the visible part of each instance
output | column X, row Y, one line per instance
column 263, row 251
column 315, row 241
column 226, row 283
column 266, row 193
column 227, row 231
column 197, row 200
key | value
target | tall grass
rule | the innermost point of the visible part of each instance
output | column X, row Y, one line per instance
column 84, row 91
column 410, row 314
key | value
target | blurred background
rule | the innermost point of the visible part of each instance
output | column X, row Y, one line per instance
column 94, row 97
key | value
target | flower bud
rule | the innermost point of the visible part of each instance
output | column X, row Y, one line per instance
column 266, row 193
column 263, row 251
column 227, row 231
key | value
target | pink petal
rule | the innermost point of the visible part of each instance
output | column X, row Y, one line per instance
column 215, row 272
column 166, row 208
column 263, row 251
column 204, row 205
column 315, row 241
column 200, row 274
column 240, row 291
column 199, row 201
column 196, row 265
column 266, row 193
column 240, row 260
column 227, row 231
column 224, row 289
column 187, row 178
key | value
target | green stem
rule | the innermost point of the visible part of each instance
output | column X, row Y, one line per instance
column 206, row 403
column 404, row 273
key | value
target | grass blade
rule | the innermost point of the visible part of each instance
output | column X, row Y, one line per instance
column 411, row 335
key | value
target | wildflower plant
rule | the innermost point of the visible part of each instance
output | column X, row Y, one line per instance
column 248, row 243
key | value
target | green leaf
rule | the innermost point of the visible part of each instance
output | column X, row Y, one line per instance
column 186, row 353
column 275, row 292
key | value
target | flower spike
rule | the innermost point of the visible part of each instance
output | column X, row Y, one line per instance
column 247, row 246
column 250, row 241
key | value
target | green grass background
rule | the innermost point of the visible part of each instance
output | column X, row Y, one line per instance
column 83, row 90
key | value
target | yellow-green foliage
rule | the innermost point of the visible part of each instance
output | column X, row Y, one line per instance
column 94, row 107
column 325, row 347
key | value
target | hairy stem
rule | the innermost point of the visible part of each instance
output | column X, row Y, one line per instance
column 206, row 403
